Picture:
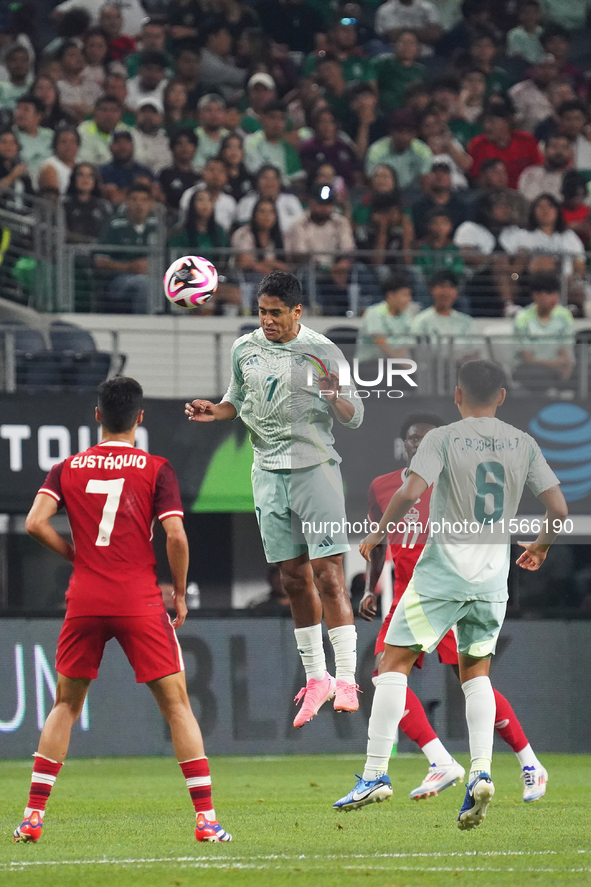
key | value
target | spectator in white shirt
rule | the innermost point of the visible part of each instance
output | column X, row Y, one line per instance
column 218, row 69
column 215, row 179
column 151, row 145
column 547, row 178
column 150, row 81
column 419, row 16
column 57, row 170
column 77, row 93
column 268, row 184
column 573, row 121
column 132, row 11
column 18, row 65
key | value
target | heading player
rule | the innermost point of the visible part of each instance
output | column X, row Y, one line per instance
column 478, row 467
column 112, row 494
column 285, row 389
column 405, row 550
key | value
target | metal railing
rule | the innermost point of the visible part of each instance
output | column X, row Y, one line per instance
column 39, row 268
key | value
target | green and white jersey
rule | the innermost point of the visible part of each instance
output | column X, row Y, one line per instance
column 274, row 388
column 544, row 338
column 479, row 467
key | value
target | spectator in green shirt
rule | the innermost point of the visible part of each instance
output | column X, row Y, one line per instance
column 271, row 147
column 482, row 54
column 544, row 333
column 442, row 320
column 439, row 252
column 260, row 90
column 385, row 327
column 204, row 237
column 152, row 39
column 394, row 71
column 343, row 39
column 127, row 272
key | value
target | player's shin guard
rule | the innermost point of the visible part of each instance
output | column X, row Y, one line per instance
column 196, row 773
column 480, row 715
column 386, row 713
column 45, row 772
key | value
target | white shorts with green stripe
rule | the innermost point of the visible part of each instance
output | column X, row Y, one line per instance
column 300, row 511
column 421, row 622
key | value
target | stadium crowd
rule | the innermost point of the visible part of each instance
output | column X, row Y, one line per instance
column 449, row 142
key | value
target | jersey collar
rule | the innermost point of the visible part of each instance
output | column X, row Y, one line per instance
column 115, row 443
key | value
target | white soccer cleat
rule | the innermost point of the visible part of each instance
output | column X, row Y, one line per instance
column 534, row 783
column 437, row 780
column 479, row 794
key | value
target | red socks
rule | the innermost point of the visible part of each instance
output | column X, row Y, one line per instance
column 44, row 775
column 414, row 723
column 507, row 725
column 196, row 773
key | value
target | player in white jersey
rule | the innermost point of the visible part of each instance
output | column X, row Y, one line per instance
column 479, row 467
column 285, row 388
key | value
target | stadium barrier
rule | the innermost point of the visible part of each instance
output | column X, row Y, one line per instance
column 242, row 676
column 40, row 268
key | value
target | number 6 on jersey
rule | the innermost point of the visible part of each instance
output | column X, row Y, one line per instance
column 112, row 489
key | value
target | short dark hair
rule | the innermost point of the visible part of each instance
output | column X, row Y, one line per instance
column 59, row 132
column 153, row 57
column 30, row 99
column 481, row 380
column 186, row 133
column 444, row 276
column 281, row 285
column 435, row 212
column 420, row 419
column 397, row 280
column 277, row 105
column 137, row 186
column 544, row 282
column 571, row 105
column 107, row 100
column 119, row 401
column 490, row 163
column 14, row 49
column 553, row 29
column 573, row 181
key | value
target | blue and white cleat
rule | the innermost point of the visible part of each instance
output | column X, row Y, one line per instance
column 365, row 792
column 437, row 780
column 534, row 783
column 479, row 794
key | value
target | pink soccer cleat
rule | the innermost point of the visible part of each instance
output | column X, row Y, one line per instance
column 210, row 831
column 314, row 694
column 346, row 696
column 30, row 829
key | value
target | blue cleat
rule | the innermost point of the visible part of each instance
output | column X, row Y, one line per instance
column 365, row 792
column 479, row 794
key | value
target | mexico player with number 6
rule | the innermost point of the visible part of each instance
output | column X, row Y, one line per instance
column 112, row 494
column 478, row 467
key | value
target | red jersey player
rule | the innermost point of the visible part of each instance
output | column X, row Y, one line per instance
column 405, row 549
column 112, row 494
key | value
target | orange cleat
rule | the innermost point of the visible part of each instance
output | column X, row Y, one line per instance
column 30, row 829
column 210, row 831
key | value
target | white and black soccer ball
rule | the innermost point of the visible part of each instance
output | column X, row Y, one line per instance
column 190, row 281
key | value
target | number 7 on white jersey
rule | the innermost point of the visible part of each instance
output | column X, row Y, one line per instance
column 112, row 489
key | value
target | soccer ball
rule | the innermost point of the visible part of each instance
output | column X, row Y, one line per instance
column 190, row 281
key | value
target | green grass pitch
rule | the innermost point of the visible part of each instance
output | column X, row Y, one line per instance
column 129, row 821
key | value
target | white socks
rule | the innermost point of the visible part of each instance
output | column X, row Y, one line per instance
column 344, row 643
column 387, row 710
column 527, row 758
column 311, row 650
column 480, row 715
column 436, row 753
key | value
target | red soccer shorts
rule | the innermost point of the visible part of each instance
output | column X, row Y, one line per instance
column 447, row 649
column 149, row 642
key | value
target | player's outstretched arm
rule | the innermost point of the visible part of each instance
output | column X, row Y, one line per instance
column 368, row 604
column 402, row 500
column 206, row 411
column 39, row 527
column 556, row 512
column 177, row 551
